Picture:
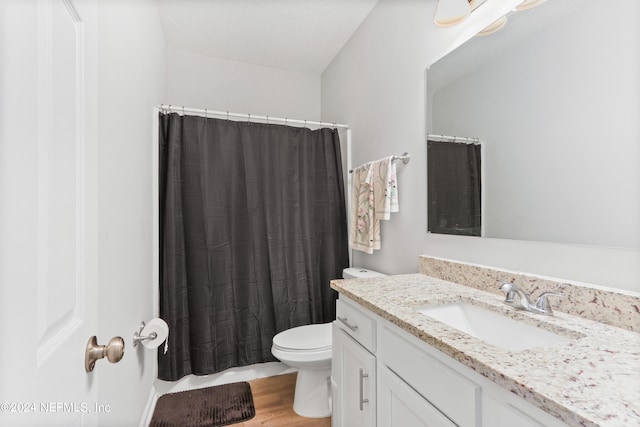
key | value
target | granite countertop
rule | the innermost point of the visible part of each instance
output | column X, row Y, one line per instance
column 591, row 380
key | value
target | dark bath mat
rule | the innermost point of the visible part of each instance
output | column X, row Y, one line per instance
column 220, row 405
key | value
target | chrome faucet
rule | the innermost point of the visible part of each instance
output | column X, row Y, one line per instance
column 517, row 298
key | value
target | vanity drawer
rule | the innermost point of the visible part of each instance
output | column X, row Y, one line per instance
column 356, row 323
column 454, row 395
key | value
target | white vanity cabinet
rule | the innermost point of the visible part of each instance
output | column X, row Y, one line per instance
column 353, row 369
column 411, row 384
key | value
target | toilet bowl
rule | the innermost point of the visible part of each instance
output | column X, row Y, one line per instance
column 308, row 348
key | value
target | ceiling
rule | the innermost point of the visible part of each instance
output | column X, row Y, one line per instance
column 298, row 35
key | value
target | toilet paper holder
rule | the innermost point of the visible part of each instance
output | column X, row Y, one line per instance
column 138, row 338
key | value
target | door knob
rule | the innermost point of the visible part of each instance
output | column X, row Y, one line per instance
column 112, row 351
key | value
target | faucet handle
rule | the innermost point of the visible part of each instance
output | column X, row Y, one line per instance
column 516, row 297
column 507, row 288
column 510, row 292
column 542, row 303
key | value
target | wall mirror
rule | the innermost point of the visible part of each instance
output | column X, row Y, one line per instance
column 555, row 98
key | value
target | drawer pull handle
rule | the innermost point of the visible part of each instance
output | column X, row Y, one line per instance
column 347, row 324
column 363, row 375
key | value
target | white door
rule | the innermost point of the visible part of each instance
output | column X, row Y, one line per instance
column 48, row 182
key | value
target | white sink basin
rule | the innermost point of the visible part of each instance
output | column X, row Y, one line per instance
column 492, row 328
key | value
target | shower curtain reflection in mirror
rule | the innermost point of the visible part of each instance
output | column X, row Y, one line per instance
column 454, row 188
column 252, row 229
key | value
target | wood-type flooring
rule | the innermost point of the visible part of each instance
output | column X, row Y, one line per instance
column 273, row 399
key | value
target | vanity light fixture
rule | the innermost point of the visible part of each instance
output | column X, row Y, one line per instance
column 528, row 4
column 451, row 12
column 498, row 24
column 494, row 27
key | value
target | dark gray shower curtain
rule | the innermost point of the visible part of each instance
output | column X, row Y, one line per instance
column 252, row 229
column 454, row 188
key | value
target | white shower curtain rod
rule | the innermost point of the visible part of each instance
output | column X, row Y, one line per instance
column 249, row 117
column 447, row 138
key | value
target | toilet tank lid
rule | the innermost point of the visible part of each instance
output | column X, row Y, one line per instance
column 356, row 273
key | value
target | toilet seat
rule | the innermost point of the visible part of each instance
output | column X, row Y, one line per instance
column 307, row 338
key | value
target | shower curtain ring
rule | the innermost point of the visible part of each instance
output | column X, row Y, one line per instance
column 267, row 119
column 205, row 115
column 227, row 115
column 183, row 110
column 249, row 118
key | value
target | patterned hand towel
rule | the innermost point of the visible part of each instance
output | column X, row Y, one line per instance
column 393, row 188
column 374, row 198
column 361, row 236
column 385, row 191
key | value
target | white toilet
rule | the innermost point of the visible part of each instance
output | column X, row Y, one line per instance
column 308, row 348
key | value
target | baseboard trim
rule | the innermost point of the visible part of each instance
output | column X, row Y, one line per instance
column 149, row 407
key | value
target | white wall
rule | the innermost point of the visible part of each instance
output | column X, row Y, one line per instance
column 200, row 81
column 132, row 79
column 377, row 85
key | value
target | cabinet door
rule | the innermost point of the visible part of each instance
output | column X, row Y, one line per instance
column 510, row 416
column 441, row 384
column 400, row 406
column 354, row 377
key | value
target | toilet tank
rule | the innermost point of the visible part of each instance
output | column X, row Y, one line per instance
column 357, row 273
